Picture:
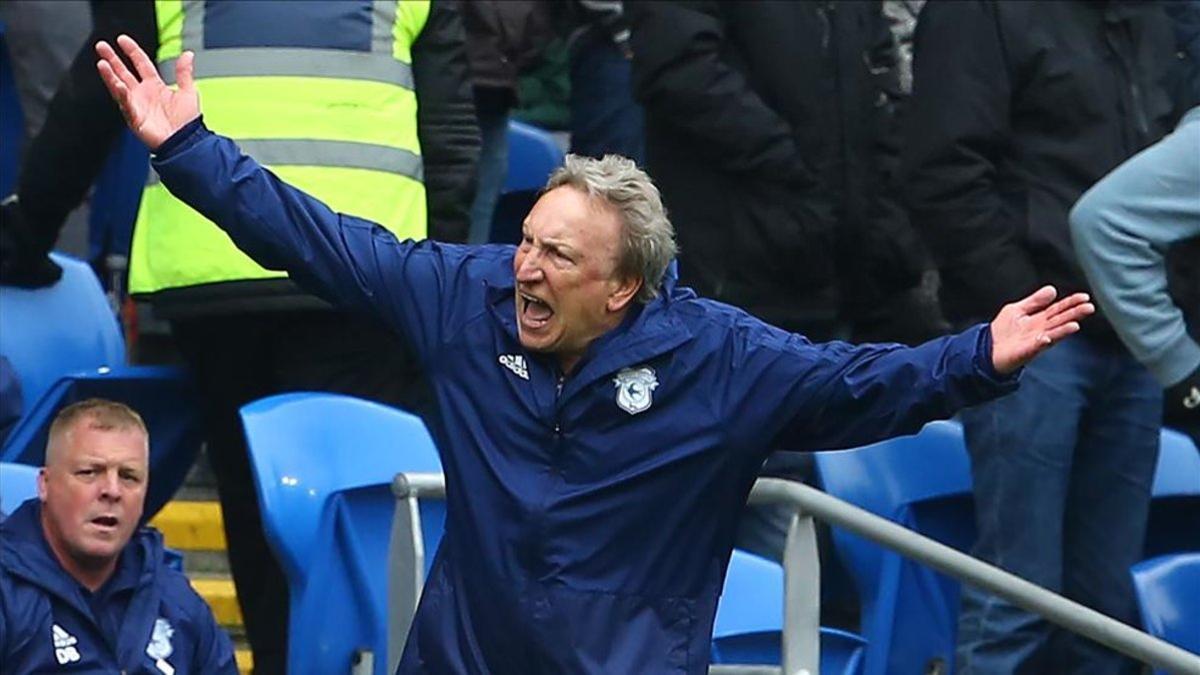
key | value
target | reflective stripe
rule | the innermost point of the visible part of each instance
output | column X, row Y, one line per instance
column 291, row 62
column 344, row 154
column 383, row 27
column 262, row 90
column 192, row 34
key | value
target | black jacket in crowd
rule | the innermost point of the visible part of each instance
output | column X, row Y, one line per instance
column 503, row 38
column 767, row 130
column 83, row 122
column 1017, row 109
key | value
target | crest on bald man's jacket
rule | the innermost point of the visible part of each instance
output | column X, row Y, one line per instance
column 160, row 648
column 635, row 388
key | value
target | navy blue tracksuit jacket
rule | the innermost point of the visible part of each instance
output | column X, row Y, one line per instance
column 590, row 517
column 145, row 620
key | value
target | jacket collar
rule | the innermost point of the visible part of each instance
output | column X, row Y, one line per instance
column 647, row 331
column 25, row 553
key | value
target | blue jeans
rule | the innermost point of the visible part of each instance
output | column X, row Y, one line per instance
column 1062, row 471
column 492, row 172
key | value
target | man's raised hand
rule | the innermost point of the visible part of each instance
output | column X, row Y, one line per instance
column 1027, row 327
column 152, row 110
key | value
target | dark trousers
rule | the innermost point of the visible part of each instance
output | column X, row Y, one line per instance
column 238, row 359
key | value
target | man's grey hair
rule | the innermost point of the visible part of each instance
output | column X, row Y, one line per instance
column 647, row 238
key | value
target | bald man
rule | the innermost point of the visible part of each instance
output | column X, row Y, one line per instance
column 81, row 586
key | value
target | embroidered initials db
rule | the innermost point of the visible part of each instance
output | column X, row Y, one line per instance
column 64, row 646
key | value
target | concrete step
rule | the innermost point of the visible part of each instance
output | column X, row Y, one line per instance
column 219, row 594
column 191, row 525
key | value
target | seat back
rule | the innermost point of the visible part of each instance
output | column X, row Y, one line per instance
column 68, row 327
column 323, row 467
column 532, row 157
column 748, row 627
column 1175, row 498
column 752, row 597
column 909, row 612
column 18, row 483
column 1168, row 595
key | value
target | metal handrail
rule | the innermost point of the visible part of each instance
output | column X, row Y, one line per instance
column 406, row 556
column 1055, row 608
column 802, row 576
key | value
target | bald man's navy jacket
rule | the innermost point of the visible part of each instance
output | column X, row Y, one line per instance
column 145, row 619
column 590, row 517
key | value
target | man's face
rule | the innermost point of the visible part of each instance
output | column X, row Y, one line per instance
column 92, row 494
column 568, row 292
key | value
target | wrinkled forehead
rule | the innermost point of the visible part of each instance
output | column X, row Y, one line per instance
column 567, row 215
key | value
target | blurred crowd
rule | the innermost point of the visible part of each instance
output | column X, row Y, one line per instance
column 861, row 170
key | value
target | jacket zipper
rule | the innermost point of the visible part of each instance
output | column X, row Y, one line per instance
column 558, row 390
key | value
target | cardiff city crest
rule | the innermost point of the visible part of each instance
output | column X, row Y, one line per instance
column 635, row 387
column 160, row 640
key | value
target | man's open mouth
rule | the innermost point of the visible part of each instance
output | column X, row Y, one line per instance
column 106, row 522
column 534, row 312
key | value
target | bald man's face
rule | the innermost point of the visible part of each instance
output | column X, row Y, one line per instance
column 93, row 488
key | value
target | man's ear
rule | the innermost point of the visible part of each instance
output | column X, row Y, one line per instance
column 623, row 293
column 41, row 484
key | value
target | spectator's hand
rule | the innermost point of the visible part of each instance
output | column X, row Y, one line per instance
column 152, row 110
column 23, row 255
column 1026, row 328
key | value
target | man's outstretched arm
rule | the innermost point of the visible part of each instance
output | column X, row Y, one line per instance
column 351, row 262
column 839, row 395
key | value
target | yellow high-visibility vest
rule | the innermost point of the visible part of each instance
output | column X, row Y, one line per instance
column 321, row 93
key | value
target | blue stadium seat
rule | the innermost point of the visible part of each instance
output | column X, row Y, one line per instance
column 749, row 622
column 1168, row 594
column 65, row 345
column 909, row 612
column 18, row 483
column 64, row 328
column 323, row 466
column 1175, row 498
column 532, row 157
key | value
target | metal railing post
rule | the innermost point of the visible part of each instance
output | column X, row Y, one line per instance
column 406, row 556
column 801, row 598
